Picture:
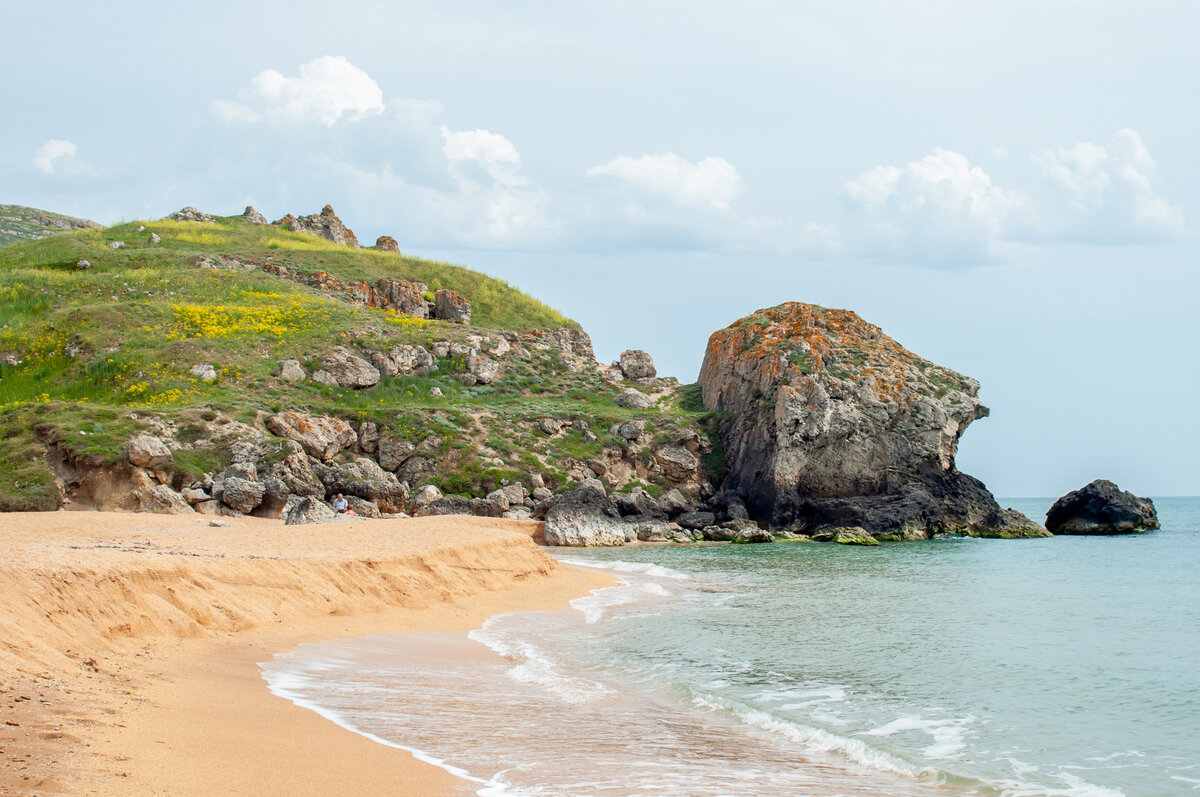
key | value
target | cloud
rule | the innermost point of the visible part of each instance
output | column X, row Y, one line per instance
column 710, row 184
column 943, row 211
column 494, row 154
column 52, row 150
column 937, row 209
column 486, row 167
column 327, row 90
column 1107, row 194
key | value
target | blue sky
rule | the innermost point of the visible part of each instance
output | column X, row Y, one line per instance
column 1007, row 188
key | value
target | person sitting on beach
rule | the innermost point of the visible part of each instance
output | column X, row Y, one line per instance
column 342, row 506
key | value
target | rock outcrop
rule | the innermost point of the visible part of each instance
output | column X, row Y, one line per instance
column 636, row 364
column 320, row 436
column 325, row 224
column 832, row 424
column 585, row 516
column 253, row 216
column 189, row 213
column 1101, row 508
column 451, row 306
column 386, row 243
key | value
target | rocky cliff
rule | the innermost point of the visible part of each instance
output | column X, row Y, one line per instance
column 830, row 423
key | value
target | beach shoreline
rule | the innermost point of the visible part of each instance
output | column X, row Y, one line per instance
column 132, row 643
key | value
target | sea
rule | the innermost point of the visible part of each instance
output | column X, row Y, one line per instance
column 1065, row 666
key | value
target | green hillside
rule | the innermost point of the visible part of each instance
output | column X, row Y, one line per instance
column 19, row 223
column 92, row 353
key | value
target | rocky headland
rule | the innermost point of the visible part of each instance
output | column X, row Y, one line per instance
column 830, row 425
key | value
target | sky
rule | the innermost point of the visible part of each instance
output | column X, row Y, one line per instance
column 1006, row 188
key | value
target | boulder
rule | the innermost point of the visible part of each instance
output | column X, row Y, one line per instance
column 240, row 494
column 831, row 423
column 638, row 502
column 205, row 372
column 253, row 216
column 349, row 370
column 633, row 399
column 147, row 451
column 286, row 461
column 320, row 436
column 451, row 305
column 306, row 509
column 676, row 461
column 696, row 520
column 636, row 364
column 585, row 517
column 325, row 224
column 393, row 451
column 673, row 502
column 362, row 507
column 290, row 371
column 116, row 244
column 274, row 500
column 405, row 296
column 154, row 238
column 1101, row 508
column 484, row 369
column 852, row 536
column 368, row 437
column 424, row 496
column 365, row 479
column 189, row 213
column 162, row 500
column 386, row 243
column 630, row 430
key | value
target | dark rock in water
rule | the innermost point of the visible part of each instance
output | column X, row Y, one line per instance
column 585, row 516
column 831, row 423
column 1101, row 508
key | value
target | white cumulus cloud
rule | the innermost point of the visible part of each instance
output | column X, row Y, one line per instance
column 1108, row 193
column 486, row 167
column 711, row 184
column 327, row 90
column 52, row 150
column 937, row 208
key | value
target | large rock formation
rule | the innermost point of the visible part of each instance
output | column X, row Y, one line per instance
column 832, row 424
column 1101, row 508
column 325, row 224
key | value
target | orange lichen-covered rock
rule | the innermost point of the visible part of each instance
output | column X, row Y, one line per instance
column 386, row 243
column 830, row 422
column 451, row 306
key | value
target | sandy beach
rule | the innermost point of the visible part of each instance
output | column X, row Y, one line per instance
column 129, row 644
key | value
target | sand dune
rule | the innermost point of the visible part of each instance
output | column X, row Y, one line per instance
column 129, row 643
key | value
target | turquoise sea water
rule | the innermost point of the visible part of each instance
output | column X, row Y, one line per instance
column 1063, row 666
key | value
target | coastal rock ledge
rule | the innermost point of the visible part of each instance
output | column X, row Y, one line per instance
column 1101, row 508
column 829, row 423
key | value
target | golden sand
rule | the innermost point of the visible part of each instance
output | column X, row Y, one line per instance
column 129, row 643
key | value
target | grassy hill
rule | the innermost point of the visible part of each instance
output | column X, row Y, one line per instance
column 19, row 223
column 91, row 355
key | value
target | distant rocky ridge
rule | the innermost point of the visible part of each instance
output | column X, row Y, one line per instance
column 19, row 223
column 830, row 424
